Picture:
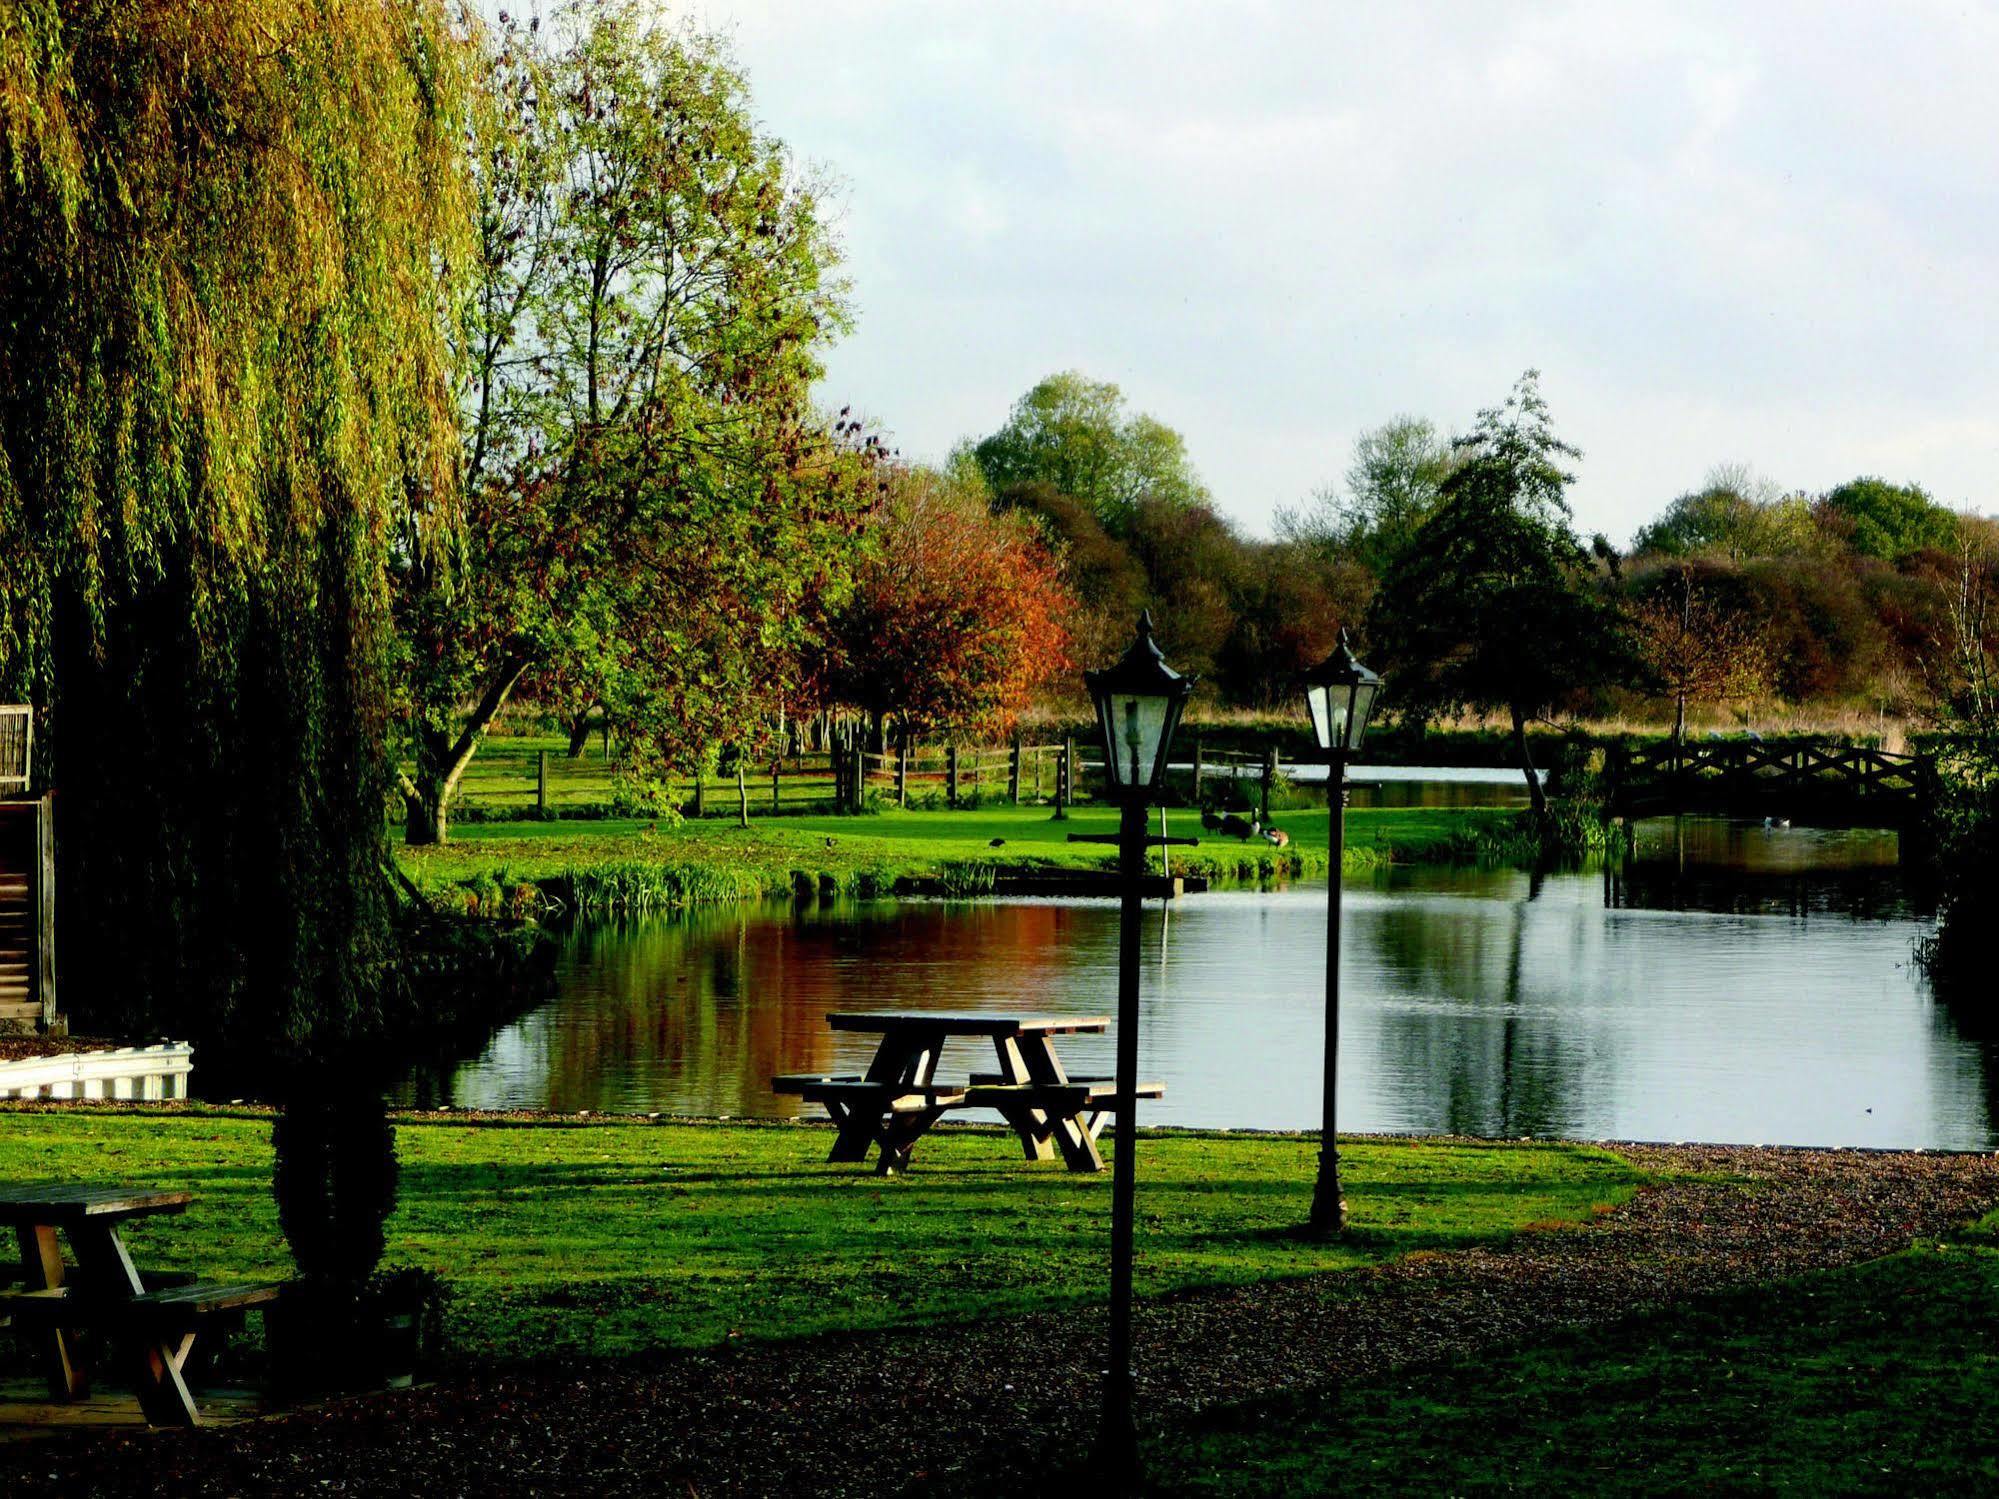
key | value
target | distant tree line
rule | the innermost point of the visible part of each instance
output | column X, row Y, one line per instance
column 1737, row 592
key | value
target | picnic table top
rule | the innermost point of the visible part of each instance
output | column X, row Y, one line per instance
column 66, row 1202
column 966, row 1022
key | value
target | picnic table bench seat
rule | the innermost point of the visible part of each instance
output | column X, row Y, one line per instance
column 892, row 1115
column 902, row 1096
column 1038, row 1110
column 181, row 1308
column 995, row 1084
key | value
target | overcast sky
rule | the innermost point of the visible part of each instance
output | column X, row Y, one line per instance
column 1758, row 233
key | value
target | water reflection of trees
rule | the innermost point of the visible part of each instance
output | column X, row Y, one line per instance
column 1732, row 868
column 1491, row 1061
column 696, row 1011
column 1971, row 1016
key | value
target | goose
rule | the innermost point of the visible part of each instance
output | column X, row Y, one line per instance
column 1210, row 819
column 1237, row 827
column 1277, row 837
column 1776, row 822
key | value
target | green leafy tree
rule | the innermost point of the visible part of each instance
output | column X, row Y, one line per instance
column 653, row 511
column 1734, row 516
column 1394, row 484
column 1076, row 434
column 1495, row 605
column 226, row 235
column 1888, row 521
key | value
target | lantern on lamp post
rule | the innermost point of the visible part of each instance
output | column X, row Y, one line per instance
column 1138, row 704
column 1340, row 695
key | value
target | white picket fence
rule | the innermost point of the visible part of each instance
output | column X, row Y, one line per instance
column 148, row 1074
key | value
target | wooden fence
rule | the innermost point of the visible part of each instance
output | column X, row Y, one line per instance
column 956, row 774
column 530, row 782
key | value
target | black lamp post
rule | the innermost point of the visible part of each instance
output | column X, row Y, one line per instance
column 1340, row 693
column 1138, row 703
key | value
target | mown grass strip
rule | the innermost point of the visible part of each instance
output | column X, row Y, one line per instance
column 614, row 1238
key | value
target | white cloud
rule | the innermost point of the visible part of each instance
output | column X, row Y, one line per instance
column 1723, row 232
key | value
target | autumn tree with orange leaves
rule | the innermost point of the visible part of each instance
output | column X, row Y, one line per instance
column 1698, row 649
column 957, row 615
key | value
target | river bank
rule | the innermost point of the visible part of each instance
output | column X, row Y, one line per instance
column 629, row 865
column 1643, row 1318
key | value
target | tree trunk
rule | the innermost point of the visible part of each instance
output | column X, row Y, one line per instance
column 1537, row 798
column 1680, row 717
column 441, row 764
column 424, row 812
column 579, row 734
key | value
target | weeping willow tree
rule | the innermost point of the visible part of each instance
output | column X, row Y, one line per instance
column 226, row 233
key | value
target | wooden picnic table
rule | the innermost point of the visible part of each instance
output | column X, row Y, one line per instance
column 153, row 1329
column 899, row 1097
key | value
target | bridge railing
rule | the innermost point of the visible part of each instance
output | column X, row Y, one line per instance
column 1748, row 771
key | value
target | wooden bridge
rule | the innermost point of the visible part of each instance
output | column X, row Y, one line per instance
column 1821, row 783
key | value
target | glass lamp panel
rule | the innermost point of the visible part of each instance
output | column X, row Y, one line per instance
column 1363, row 709
column 1106, row 717
column 1138, row 729
column 1319, row 700
column 1175, row 706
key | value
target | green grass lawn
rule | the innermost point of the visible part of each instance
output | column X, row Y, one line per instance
column 714, row 859
column 1879, row 1379
column 615, row 1238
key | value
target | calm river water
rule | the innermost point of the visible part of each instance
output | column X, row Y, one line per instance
column 1729, row 983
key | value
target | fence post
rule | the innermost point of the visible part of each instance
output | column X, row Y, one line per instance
column 742, row 793
column 951, row 776
column 541, row 783
column 775, row 766
column 1013, row 774
column 1197, row 769
column 700, row 788
column 1065, row 778
column 902, row 768
column 45, row 908
column 1269, row 775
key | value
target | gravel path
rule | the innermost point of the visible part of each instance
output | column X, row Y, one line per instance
column 987, row 1406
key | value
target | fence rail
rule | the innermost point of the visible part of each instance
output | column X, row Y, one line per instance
column 515, row 779
column 959, row 773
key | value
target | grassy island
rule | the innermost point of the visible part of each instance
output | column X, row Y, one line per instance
column 637, row 863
